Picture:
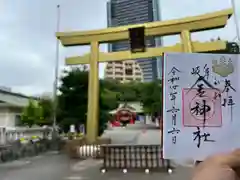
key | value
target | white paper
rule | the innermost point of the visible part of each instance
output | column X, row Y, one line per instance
column 219, row 125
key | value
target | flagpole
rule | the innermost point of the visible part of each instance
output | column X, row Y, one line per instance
column 55, row 85
column 236, row 19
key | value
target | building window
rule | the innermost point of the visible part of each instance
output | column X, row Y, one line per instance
column 119, row 79
column 17, row 120
column 112, row 10
column 109, row 73
column 128, row 71
column 118, row 74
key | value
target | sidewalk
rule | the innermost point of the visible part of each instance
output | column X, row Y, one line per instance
column 90, row 169
column 26, row 160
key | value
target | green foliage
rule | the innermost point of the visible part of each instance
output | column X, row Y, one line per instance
column 107, row 102
column 37, row 113
column 46, row 110
column 108, row 95
column 149, row 94
column 72, row 102
column 122, row 91
column 151, row 97
column 31, row 114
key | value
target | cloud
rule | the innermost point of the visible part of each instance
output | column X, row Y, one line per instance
column 28, row 42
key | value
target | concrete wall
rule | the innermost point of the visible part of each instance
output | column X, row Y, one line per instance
column 8, row 116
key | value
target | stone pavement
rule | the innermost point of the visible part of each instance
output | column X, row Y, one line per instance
column 90, row 169
column 59, row 167
column 139, row 134
column 134, row 134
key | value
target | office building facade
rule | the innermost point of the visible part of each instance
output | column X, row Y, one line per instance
column 126, row 12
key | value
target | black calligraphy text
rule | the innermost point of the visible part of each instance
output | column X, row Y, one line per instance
column 173, row 85
column 201, row 137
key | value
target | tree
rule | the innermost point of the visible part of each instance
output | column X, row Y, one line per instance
column 151, row 97
column 107, row 102
column 46, row 110
column 31, row 114
column 73, row 100
column 123, row 91
column 109, row 98
column 72, row 103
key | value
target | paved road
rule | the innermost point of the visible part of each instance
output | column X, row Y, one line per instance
column 59, row 167
column 45, row 167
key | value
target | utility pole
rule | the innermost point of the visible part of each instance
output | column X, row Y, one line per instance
column 55, row 84
column 236, row 20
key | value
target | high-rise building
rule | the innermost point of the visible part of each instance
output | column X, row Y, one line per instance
column 126, row 12
column 123, row 71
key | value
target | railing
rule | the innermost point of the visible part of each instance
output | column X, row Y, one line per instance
column 11, row 135
column 134, row 157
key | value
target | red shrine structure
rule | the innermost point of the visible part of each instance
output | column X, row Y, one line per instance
column 125, row 114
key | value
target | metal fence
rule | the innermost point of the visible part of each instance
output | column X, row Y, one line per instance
column 134, row 157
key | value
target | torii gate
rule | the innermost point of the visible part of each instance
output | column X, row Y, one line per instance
column 184, row 27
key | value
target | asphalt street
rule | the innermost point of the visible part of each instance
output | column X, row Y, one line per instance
column 46, row 167
column 58, row 167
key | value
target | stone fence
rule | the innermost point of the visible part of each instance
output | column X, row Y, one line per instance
column 9, row 135
column 26, row 142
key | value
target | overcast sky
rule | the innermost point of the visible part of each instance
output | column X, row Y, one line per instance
column 28, row 43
